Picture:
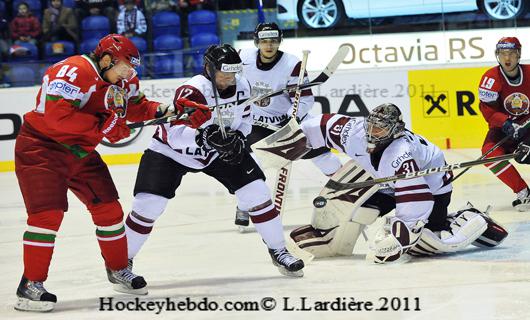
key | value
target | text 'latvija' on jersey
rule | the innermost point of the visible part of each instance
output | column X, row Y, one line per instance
column 74, row 100
column 410, row 152
column 502, row 99
column 177, row 141
column 265, row 78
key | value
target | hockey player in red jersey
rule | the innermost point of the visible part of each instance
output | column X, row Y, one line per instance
column 82, row 100
column 504, row 93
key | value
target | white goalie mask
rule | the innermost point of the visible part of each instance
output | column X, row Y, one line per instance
column 383, row 124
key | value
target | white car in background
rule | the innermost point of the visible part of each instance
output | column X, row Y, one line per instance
column 327, row 13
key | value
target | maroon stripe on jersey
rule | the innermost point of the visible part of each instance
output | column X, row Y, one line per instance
column 409, row 188
column 296, row 70
column 245, row 115
column 304, row 93
column 414, row 197
column 137, row 227
column 264, row 217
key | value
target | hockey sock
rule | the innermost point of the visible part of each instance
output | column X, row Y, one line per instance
column 507, row 173
column 39, row 241
column 268, row 223
column 110, row 232
column 146, row 209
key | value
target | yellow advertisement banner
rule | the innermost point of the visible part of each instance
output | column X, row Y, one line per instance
column 445, row 108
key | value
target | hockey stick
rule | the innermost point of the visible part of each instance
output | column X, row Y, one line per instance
column 211, row 71
column 330, row 68
column 498, row 144
column 338, row 186
column 157, row 121
column 503, row 140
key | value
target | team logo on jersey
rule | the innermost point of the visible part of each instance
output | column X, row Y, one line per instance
column 260, row 88
column 517, row 104
column 115, row 100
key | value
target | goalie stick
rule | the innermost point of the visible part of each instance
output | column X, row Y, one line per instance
column 338, row 186
column 283, row 175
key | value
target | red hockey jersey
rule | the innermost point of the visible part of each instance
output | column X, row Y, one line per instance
column 74, row 100
column 501, row 100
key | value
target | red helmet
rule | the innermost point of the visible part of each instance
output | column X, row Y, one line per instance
column 508, row 43
column 120, row 48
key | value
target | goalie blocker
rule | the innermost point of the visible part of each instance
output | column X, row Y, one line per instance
column 340, row 219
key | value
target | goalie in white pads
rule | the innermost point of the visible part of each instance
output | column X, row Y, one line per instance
column 381, row 147
column 177, row 149
column 268, row 69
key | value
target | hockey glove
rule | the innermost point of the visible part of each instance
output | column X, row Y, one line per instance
column 230, row 148
column 236, row 146
column 114, row 128
column 522, row 154
column 196, row 113
column 513, row 130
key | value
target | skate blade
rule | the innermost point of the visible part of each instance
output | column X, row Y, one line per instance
column 120, row 288
column 523, row 207
column 294, row 274
column 24, row 304
column 243, row 229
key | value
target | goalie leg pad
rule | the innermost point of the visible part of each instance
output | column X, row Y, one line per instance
column 322, row 243
column 494, row 234
column 335, row 241
column 465, row 228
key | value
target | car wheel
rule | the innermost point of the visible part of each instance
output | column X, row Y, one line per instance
column 320, row 13
column 503, row 9
column 135, row 133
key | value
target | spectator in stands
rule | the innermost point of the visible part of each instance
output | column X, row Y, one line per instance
column 59, row 23
column 105, row 8
column 25, row 27
column 4, row 38
column 163, row 5
column 139, row 4
column 191, row 5
column 131, row 21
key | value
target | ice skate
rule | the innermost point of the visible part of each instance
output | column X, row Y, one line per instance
column 32, row 296
column 287, row 263
column 127, row 282
column 522, row 203
column 242, row 221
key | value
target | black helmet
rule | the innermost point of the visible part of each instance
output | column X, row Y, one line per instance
column 386, row 116
column 267, row 31
column 223, row 57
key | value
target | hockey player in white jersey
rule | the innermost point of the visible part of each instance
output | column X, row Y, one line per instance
column 268, row 69
column 382, row 146
column 177, row 149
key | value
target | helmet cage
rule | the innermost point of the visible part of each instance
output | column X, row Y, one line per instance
column 388, row 120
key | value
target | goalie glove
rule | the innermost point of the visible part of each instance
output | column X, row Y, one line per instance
column 196, row 113
column 231, row 149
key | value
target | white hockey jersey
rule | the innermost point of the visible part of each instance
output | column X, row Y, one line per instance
column 284, row 72
column 411, row 152
column 177, row 141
